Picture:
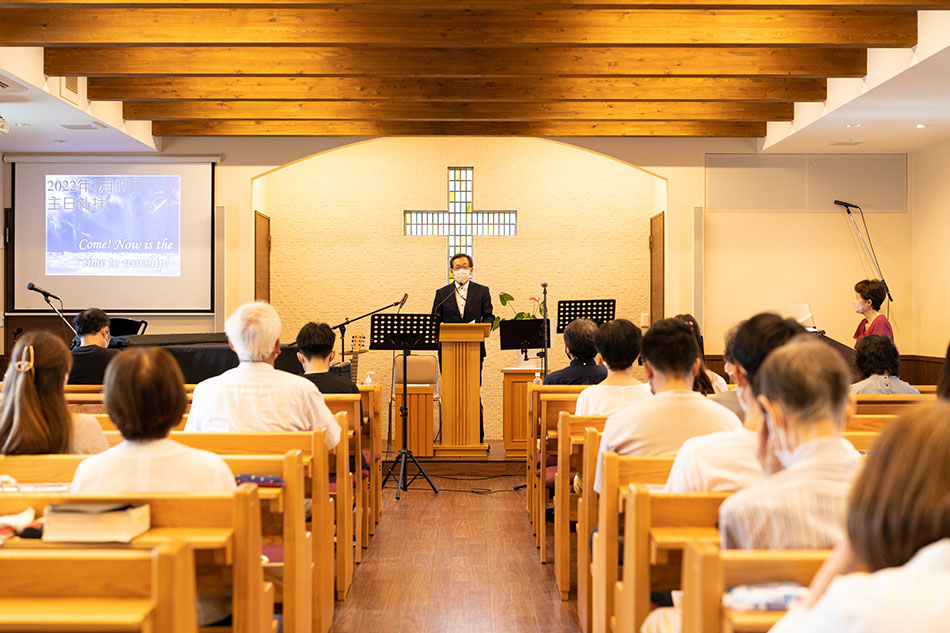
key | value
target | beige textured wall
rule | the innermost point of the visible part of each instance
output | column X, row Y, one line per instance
column 338, row 249
column 931, row 232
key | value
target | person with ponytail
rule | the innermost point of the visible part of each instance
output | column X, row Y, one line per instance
column 34, row 418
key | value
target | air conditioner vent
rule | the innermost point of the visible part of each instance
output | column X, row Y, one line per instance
column 69, row 89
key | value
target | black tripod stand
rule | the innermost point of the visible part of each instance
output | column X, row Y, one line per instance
column 404, row 332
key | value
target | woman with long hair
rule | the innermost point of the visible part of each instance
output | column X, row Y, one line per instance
column 34, row 418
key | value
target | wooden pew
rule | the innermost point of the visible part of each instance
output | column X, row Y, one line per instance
column 551, row 405
column 350, row 404
column 890, row 404
column 870, row 422
column 70, row 389
column 618, row 472
column 371, row 398
column 571, row 431
column 708, row 572
column 98, row 589
column 91, row 401
column 657, row 525
column 106, row 423
column 224, row 530
column 532, row 424
column 587, row 507
column 325, row 516
column 283, row 523
column 862, row 440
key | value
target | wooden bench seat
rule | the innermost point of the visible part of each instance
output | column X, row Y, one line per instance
column 709, row 572
column 147, row 590
column 551, row 405
column 223, row 529
column 571, row 431
column 619, row 471
column 533, row 423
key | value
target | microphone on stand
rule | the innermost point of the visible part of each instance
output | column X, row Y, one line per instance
column 402, row 302
column 46, row 293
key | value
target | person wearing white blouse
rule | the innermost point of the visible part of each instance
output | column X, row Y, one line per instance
column 892, row 571
column 144, row 394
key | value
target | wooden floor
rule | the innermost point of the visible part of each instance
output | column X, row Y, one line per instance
column 456, row 562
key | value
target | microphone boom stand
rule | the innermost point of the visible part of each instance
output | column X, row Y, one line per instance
column 342, row 327
column 871, row 257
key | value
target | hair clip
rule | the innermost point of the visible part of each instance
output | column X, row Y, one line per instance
column 24, row 366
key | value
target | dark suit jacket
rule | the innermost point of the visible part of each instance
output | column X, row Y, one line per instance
column 478, row 308
column 577, row 373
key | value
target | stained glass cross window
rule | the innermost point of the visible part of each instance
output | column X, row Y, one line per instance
column 461, row 222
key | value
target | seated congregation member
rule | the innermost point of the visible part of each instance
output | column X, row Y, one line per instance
column 725, row 462
column 659, row 425
column 145, row 397
column 880, row 364
column 803, row 390
column 34, row 419
column 315, row 353
column 869, row 294
column 618, row 343
column 892, row 570
column 802, row 502
column 254, row 396
column 707, row 381
column 93, row 354
column 579, row 347
column 730, row 397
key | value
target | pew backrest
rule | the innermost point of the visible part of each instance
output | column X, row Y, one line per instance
column 708, row 572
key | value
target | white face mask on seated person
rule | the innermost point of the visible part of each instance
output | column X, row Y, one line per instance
column 859, row 306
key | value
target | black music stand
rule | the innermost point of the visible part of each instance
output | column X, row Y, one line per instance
column 404, row 332
column 523, row 334
column 597, row 310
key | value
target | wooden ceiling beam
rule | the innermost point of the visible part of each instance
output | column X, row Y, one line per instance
column 459, row 128
column 509, row 111
column 106, row 26
column 441, row 62
column 463, row 89
column 469, row 5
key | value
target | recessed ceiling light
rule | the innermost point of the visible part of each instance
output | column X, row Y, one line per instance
column 852, row 125
column 21, row 125
column 921, row 126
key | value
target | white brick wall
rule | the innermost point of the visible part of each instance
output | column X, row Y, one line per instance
column 338, row 249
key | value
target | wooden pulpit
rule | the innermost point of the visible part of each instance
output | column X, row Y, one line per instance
column 461, row 378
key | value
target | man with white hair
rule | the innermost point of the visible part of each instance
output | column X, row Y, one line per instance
column 254, row 396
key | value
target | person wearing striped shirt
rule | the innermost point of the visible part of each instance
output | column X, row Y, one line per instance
column 802, row 502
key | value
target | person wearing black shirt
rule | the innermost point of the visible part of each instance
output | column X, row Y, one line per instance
column 315, row 353
column 93, row 354
column 579, row 347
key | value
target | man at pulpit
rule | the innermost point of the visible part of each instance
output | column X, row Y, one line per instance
column 463, row 301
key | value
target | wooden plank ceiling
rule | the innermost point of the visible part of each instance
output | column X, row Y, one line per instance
column 479, row 67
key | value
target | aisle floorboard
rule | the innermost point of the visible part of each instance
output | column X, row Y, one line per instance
column 456, row 562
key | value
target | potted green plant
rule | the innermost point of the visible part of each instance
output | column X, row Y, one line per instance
column 537, row 307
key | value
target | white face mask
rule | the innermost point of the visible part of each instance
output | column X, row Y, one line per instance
column 858, row 306
column 780, row 447
column 462, row 275
column 740, row 393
